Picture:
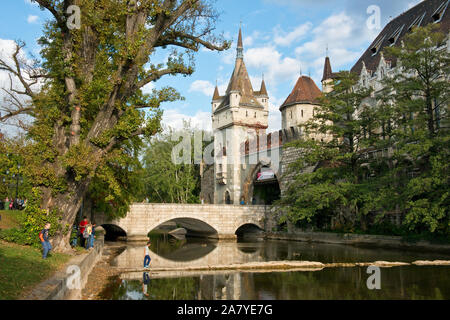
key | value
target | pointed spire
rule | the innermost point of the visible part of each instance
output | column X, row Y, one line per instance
column 327, row 71
column 216, row 95
column 263, row 90
column 240, row 42
column 240, row 46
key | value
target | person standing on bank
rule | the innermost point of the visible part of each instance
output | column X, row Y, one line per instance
column 92, row 236
column 87, row 236
column 147, row 258
column 83, row 225
column 43, row 236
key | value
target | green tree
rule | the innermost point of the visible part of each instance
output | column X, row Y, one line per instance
column 417, row 99
column 328, row 172
column 86, row 95
column 165, row 180
column 13, row 177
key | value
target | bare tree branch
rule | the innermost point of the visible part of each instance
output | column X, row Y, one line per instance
column 17, row 71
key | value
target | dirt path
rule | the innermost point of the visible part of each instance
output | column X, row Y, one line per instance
column 102, row 273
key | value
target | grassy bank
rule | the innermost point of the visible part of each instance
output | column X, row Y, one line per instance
column 22, row 267
column 10, row 219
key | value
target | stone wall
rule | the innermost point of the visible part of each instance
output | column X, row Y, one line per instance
column 207, row 185
column 289, row 156
column 358, row 239
column 58, row 287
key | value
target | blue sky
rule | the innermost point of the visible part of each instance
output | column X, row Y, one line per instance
column 281, row 37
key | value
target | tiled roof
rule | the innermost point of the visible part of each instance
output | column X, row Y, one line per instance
column 305, row 91
column 424, row 13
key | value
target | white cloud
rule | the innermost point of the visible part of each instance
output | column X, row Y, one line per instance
column 202, row 86
column 32, row 19
column 286, row 39
column 174, row 118
column 32, row 3
column 148, row 88
column 346, row 38
column 276, row 68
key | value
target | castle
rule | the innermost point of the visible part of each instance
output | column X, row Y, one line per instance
column 250, row 165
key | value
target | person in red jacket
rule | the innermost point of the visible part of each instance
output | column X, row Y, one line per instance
column 83, row 225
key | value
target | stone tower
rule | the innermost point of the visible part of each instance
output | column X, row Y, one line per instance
column 239, row 114
column 300, row 105
column 328, row 76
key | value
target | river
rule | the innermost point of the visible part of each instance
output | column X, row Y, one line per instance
column 341, row 283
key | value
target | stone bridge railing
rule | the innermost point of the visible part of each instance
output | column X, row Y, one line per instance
column 221, row 220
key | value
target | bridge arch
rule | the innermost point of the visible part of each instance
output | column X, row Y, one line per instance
column 194, row 226
column 248, row 228
column 113, row 231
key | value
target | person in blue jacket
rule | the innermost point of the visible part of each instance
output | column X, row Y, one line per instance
column 43, row 236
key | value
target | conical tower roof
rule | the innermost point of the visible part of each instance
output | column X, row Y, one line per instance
column 240, row 43
column 263, row 90
column 305, row 91
column 327, row 72
column 240, row 80
column 216, row 95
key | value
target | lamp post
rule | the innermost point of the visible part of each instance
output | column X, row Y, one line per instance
column 17, row 185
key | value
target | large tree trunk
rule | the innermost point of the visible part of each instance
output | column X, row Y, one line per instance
column 68, row 204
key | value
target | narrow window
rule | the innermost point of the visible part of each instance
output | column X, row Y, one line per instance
column 376, row 47
column 417, row 22
column 394, row 37
column 439, row 13
column 302, row 113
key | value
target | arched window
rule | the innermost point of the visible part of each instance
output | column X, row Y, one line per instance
column 227, row 197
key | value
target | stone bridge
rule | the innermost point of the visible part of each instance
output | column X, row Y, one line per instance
column 216, row 221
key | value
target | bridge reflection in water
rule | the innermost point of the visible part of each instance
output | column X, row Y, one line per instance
column 190, row 255
column 211, row 284
column 410, row 282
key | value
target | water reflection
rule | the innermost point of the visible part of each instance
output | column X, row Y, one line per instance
column 408, row 282
column 199, row 253
column 340, row 283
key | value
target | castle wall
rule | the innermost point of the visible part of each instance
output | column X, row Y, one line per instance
column 207, row 185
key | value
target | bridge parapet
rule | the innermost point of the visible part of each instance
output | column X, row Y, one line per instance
column 223, row 220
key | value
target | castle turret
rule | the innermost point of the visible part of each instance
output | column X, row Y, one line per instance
column 300, row 106
column 236, row 115
column 241, row 105
column 328, row 76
